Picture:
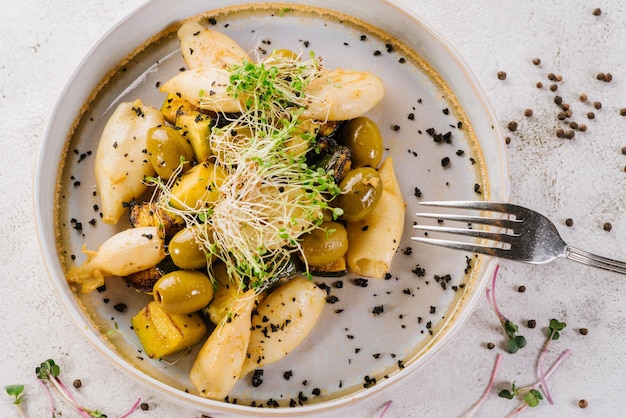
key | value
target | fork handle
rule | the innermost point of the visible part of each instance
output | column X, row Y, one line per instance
column 593, row 260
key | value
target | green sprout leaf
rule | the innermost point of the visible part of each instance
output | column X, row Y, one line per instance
column 555, row 327
column 17, row 391
column 506, row 394
column 533, row 397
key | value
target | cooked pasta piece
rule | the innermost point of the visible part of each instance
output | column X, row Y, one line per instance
column 375, row 239
column 121, row 162
column 218, row 365
column 127, row 252
column 203, row 47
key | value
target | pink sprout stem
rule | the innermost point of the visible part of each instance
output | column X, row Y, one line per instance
column 385, row 409
column 491, row 296
column 487, row 389
column 132, row 409
column 551, row 370
column 48, row 394
column 68, row 396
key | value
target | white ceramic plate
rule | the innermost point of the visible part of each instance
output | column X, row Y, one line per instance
column 352, row 352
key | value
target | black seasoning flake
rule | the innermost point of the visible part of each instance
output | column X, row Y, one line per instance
column 377, row 53
column 417, row 192
column 338, row 284
column 408, row 251
column 120, row 307
column 332, row 299
column 360, row 282
column 419, row 271
column 316, row 391
column 287, row 375
column 212, row 20
column 445, row 161
column 257, row 378
column 378, row 310
column 369, row 381
column 432, row 309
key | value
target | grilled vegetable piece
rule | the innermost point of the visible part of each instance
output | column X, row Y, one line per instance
column 195, row 127
column 337, row 268
column 162, row 333
column 225, row 294
column 338, row 159
column 126, row 252
column 144, row 280
column 203, row 47
column 218, row 365
column 121, row 164
column 149, row 214
column 284, row 320
column 172, row 105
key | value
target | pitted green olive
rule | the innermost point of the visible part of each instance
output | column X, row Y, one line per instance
column 361, row 190
column 325, row 245
column 166, row 147
column 363, row 138
column 183, row 291
column 198, row 187
column 187, row 252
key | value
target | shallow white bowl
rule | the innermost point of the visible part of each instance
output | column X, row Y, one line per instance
column 423, row 76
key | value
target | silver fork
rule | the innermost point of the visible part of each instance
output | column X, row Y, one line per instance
column 528, row 237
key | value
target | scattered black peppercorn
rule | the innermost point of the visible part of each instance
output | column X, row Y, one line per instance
column 583, row 402
column 144, row 406
column 521, row 289
column 531, row 323
column 512, row 126
column 558, row 100
column 507, row 140
column 560, row 133
column 570, row 134
column 551, row 77
column 536, row 61
column 624, row 150
column 491, row 346
column 583, row 331
column 591, row 115
column 583, row 98
column 597, row 105
column 569, row 222
column 77, row 383
column 539, row 84
column 622, row 111
column 501, row 75
column 554, row 87
column 528, row 113
column 582, row 127
column 607, row 226
column 597, row 11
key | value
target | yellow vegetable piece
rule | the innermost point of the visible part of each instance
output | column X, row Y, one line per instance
column 198, row 187
column 195, row 127
column 162, row 334
column 172, row 105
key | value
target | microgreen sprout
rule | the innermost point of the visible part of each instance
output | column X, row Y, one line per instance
column 515, row 342
column 48, row 372
column 268, row 195
column 482, row 399
column 17, row 392
column 530, row 394
column 553, row 334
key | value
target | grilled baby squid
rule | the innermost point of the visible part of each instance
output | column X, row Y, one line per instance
column 121, row 163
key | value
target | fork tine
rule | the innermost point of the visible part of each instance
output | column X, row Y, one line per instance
column 480, row 249
column 478, row 205
column 502, row 223
column 477, row 233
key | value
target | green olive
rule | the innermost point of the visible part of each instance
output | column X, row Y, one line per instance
column 187, row 252
column 183, row 291
column 361, row 190
column 325, row 245
column 363, row 138
column 198, row 187
column 166, row 147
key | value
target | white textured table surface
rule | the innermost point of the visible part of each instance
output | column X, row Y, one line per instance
column 41, row 42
